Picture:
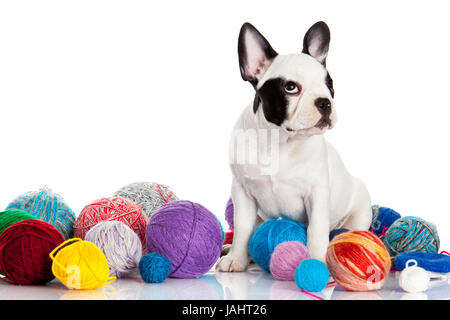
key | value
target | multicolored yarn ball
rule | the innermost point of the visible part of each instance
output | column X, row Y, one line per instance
column 112, row 209
column 312, row 275
column 286, row 257
column 149, row 195
column 9, row 217
column 335, row 232
column 229, row 213
column 358, row 261
column 154, row 267
column 411, row 234
column 383, row 218
column 47, row 206
column 120, row 245
column 80, row 264
column 270, row 234
column 188, row 235
column 24, row 252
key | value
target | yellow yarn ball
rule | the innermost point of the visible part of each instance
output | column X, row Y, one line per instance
column 80, row 264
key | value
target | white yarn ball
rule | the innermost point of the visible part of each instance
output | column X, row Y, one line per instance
column 414, row 279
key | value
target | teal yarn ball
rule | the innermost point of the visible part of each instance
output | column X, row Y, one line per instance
column 154, row 267
column 49, row 207
column 411, row 234
column 270, row 234
column 312, row 275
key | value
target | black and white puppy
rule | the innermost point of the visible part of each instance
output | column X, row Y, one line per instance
column 303, row 178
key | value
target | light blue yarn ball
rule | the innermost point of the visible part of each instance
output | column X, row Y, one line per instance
column 411, row 234
column 271, row 233
column 312, row 275
column 154, row 267
column 49, row 207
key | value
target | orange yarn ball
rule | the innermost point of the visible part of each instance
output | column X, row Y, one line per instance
column 358, row 261
column 112, row 209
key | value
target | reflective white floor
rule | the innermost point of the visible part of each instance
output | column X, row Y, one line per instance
column 253, row 284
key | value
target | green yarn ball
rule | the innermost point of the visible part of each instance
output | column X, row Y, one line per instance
column 9, row 217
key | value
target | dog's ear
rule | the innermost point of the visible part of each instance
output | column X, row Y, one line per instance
column 255, row 53
column 317, row 41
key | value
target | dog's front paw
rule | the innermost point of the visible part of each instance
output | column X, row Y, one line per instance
column 318, row 252
column 232, row 263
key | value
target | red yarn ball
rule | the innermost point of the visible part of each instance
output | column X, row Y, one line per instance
column 24, row 252
column 112, row 209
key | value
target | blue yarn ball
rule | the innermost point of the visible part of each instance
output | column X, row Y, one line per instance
column 271, row 233
column 312, row 275
column 411, row 234
column 154, row 267
column 47, row 206
column 433, row 262
column 335, row 232
column 383, row 218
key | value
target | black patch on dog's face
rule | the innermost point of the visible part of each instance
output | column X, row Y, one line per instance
column 274, row 101
column 329, row 83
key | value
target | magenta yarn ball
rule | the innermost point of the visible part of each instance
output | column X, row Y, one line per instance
column 187, row 234
column 286, row 257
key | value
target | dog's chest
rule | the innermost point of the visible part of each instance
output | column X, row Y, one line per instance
column 285, row 191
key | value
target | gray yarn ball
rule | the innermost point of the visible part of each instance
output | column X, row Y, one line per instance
column 149, row 195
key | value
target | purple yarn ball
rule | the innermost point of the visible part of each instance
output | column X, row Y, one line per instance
column 229, row 213
column 187, row 234
column 286, row 257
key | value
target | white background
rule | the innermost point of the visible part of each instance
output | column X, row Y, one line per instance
column 98, row 94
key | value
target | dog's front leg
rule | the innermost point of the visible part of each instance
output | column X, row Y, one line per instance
column 244, row 223
column 318, row 223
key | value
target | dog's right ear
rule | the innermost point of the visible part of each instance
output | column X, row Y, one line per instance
column 255, row 53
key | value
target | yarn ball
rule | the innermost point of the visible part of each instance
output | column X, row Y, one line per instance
column 187, row 234
column 229, row 237
column 270, row 234
column 9, row 217
column 47, row 206
column 358, row 261
column 154, row 267
column 383, row 218
column 311, row 275
column 120, row 245
column 229, row 213
column 24, row 252
column 285, row 259
column 411, row 234
column 414, row 279
column 80, row 264
column 112, row 209
column 335, row 232
column 149, row 195
column 434, row 262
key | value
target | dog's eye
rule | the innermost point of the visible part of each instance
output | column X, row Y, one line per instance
column 291, row 87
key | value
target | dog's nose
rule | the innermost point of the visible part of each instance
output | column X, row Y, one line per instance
column 323, row 105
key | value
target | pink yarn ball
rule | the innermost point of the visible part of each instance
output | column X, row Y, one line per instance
column 112, row 209
column 286, row 257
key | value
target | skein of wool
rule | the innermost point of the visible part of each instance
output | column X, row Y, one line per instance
column 188, row 235
column 112, row 209
column 80, row 264
column 286, row 257
column 411, row 234
column 358, row 261
column 24, row 252
column 382, row 219
column 47, row 206
column 120, row 245
column 149, row 195
column 9, row 217
column 270, row 234
column 229, row 214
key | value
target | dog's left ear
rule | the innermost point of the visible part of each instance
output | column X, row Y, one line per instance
column 317, row 41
